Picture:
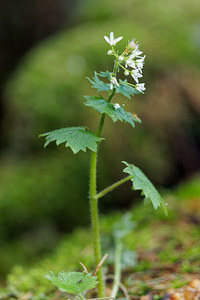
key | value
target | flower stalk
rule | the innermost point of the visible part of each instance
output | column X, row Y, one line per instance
column 94, row 207
column 129, row 61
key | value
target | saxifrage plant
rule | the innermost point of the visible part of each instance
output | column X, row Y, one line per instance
column 80, row 138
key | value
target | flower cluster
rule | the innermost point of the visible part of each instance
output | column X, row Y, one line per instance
column 130, row 61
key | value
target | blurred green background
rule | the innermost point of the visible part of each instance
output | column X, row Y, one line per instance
column 48, row 48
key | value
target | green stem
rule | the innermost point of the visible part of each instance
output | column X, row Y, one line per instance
column 112, row 187
column 101, row 122
column 94, row 208
column 117, row 275
column 95, row 223
column 81, row 296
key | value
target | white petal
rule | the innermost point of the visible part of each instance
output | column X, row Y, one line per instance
column 107, row 40
column 132, row 65
column 117, row 106
column 117, row 40
column 140, row 87
column 135, row 78
column 111, row 36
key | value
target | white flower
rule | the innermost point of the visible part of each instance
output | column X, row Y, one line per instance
column 112, row 41
column 140, row 62
column 135, row 52
column 117, row 106
column 132, row 44
column 109, row 52
column 121, row 58
column 136, row 74
column 114, row 82
column 130, row 63
column 140, row 87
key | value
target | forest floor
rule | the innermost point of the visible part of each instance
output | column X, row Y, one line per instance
column 167, row 249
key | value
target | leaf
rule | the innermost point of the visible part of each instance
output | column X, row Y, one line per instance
column 103, row 106
column 73, row 282
column 141, row 182
column 77, row 138
column 126, row 89
column 99, row 84
column 105, row 74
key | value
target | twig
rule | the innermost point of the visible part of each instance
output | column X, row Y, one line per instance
column 121, row 285
column 100, row 264
column 117, row 272
column 84, row 267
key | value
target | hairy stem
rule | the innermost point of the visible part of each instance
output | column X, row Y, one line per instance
column 95, row 223
column 112, row 187
column 94, row 208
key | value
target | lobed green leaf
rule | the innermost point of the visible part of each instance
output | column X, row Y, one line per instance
column 125, row 89
column 99, row 84
column 77, row 138
column 73, row 282
column 105, row 74
column 141, row 182
column 103, row 106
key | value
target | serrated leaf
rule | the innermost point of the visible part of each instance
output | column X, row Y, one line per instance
column 125, row 89
column 77, row 138
column 99, row 84
column 73, row 282
column 141, row 182
column 103, row 106
column 105, row 74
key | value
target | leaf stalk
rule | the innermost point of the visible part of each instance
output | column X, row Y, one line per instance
column 112, row 187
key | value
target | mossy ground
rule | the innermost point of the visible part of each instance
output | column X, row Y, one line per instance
column 168, row 251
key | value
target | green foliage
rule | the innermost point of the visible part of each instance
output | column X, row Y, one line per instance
column 104, row 74
column 125, row 89
column 77, row 138
column 148, row 231
column 141, row 182
column 99, row 84
column 73, row 282
column 103, row 106
column 28, row 192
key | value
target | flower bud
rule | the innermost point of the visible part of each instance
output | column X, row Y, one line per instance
column 109, row 52
column 117, row 106
column 126, row 73
column 132, row 44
